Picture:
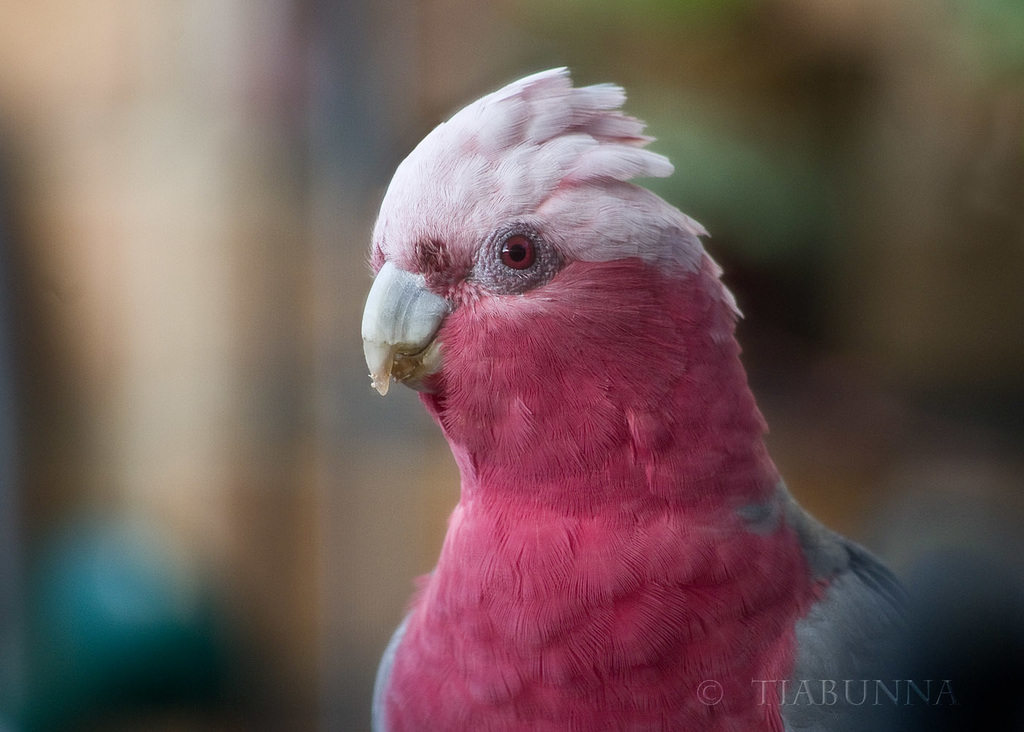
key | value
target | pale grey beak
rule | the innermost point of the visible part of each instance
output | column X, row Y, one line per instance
column 400, row 321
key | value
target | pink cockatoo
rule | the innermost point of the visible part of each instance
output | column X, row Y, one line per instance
column 624, row 555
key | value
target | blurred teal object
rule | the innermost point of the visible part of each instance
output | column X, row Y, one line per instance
column 11, row 630
column 117, row 628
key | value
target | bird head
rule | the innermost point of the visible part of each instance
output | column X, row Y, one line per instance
column 520, row 273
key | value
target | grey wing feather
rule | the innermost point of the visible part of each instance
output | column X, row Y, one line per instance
column 380, row 685
column 847, row 637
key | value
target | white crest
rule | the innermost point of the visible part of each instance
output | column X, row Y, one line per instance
column 539, row 149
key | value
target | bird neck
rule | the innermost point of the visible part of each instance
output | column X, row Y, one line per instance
column 618, row 384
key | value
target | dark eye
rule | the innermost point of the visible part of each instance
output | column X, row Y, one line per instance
column 518, row 252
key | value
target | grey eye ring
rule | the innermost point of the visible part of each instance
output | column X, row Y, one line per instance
column 514, row 259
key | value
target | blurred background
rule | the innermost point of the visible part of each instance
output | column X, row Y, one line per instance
column 209, row 521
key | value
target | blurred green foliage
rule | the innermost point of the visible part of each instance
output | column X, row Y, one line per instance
column 649, row 16
column 997, row 31
column 769, row 204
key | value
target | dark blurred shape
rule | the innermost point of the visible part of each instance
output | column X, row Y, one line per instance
column 953, row 528
column 968, row 629
column 116, row 629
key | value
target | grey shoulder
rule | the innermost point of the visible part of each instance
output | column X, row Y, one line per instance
column 851, row 631
column 380, row 685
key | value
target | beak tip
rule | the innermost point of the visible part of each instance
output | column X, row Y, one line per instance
column 380, row 358
column 381, row 384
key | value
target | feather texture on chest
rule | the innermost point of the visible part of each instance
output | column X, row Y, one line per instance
column 547, row 617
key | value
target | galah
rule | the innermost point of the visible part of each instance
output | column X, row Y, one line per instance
column 624, row 555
